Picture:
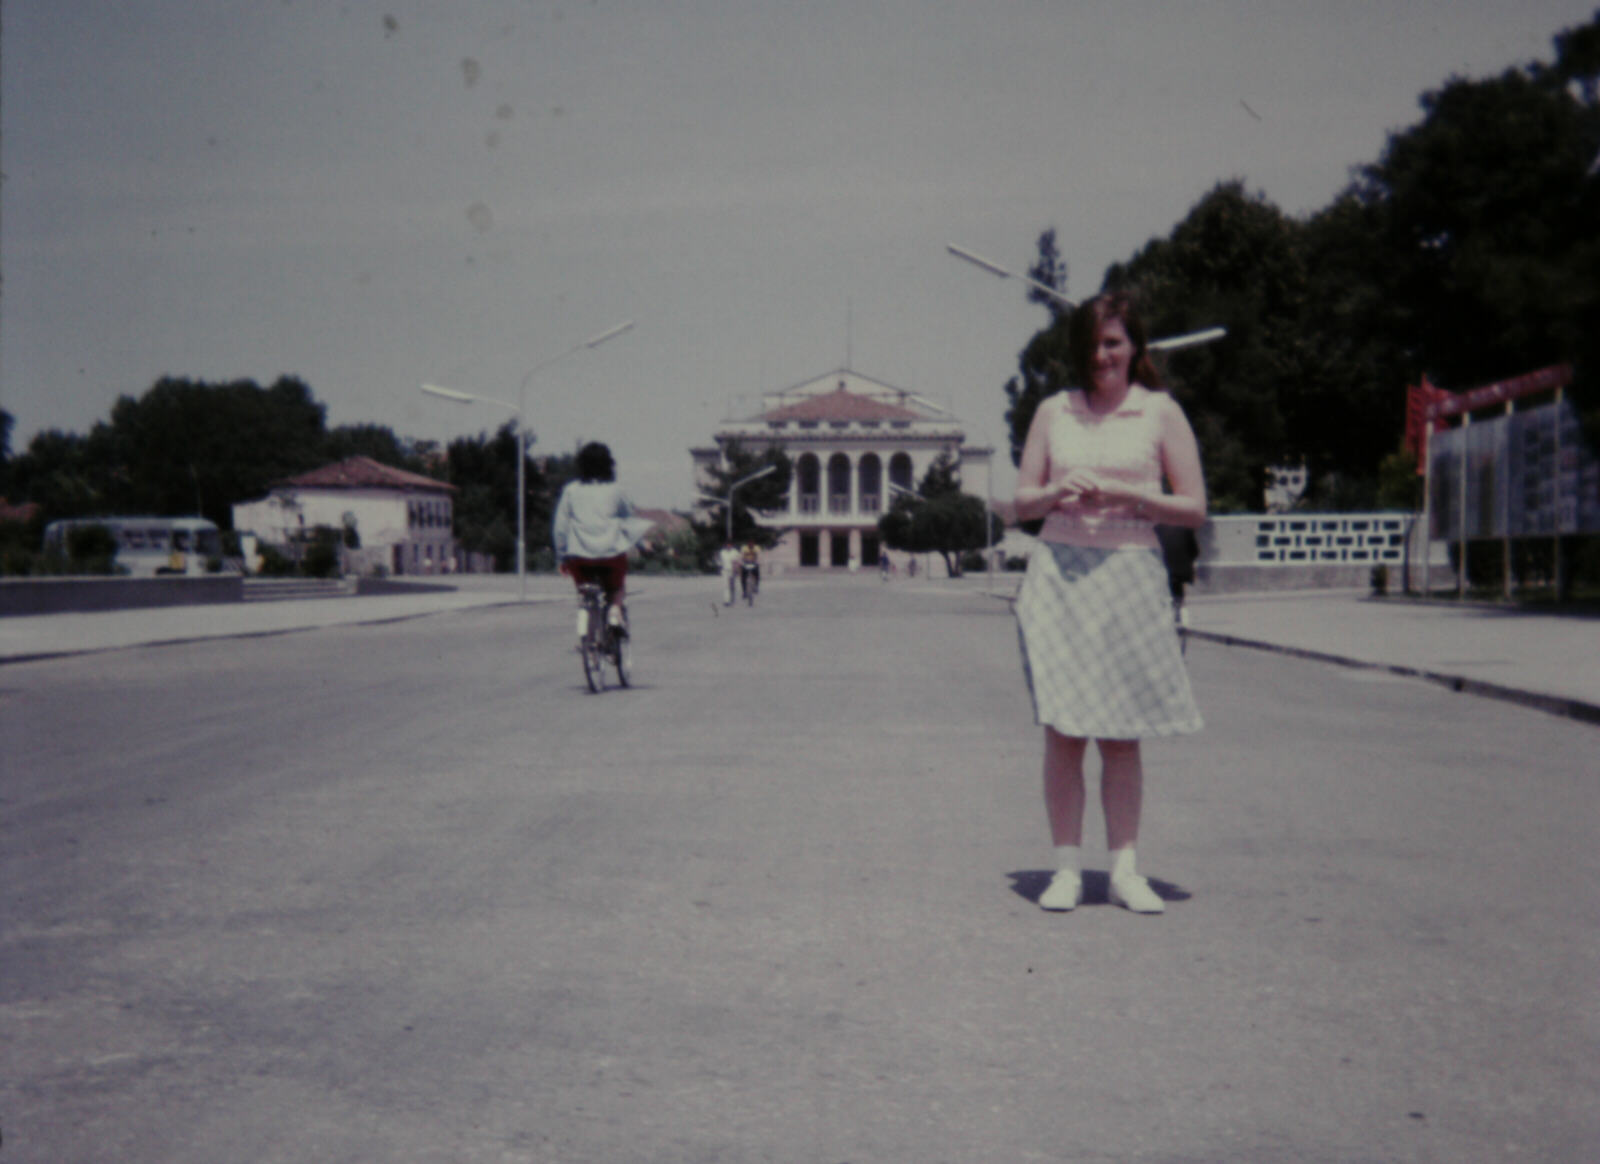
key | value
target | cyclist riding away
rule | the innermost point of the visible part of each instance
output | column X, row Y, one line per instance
column 750, row 569
column 595, row 527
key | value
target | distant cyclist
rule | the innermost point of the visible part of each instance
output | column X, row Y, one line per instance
column 750, row 570
column 595, row 527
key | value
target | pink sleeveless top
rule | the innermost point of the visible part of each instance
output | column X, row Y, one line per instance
column 1124, row 445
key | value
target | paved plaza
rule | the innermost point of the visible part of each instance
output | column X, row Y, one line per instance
column 398, row 888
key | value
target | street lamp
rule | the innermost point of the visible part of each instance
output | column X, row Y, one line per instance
column 728, row 500
column 520, row 408
column 732, row 489
column 1170, row 343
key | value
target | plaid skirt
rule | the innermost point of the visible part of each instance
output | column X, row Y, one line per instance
column 1099, row 649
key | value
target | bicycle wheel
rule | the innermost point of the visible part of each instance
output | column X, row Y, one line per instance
column 622, row 658
column 593, row 674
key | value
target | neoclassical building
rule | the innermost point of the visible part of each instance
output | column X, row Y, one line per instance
column 853, row 441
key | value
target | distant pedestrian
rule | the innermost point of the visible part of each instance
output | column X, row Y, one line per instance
column 1180, row 549
column 1099, row 654
column 728, row 563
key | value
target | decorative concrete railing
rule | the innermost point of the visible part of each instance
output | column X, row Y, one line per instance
column 1304, row 539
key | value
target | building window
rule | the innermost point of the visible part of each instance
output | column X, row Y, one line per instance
column 900, row 470
column 808, row 475
column 838, row 483
column 870, row 477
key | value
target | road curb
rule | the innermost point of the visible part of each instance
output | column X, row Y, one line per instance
column 266, row 632
column 1561, row 705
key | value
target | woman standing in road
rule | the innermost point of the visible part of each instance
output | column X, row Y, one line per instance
column 1094, row 615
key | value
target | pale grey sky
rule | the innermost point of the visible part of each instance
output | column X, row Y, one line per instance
column 372, row 195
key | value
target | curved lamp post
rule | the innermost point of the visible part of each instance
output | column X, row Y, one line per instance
column 734, row 488
column 520, row 408
column 1170, row 343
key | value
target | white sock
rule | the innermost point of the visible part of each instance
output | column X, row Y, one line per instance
column 1067, row 858
column 1122, row 863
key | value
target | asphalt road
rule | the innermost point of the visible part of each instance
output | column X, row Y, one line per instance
column 407, row 892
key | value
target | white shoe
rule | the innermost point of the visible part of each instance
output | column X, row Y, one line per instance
column 1065, row 892
column 1133, row 893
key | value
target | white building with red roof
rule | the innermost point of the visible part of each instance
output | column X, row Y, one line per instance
column 853, row 441
column 403, row 520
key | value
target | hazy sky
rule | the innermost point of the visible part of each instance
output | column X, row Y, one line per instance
column 372, row 195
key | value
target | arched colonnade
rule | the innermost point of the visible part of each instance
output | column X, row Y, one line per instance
column 842, row 487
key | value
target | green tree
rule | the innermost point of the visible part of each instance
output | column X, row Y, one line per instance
column 940, row 518
column 484, row 471
column 66, row 474
column 1470, row 251
column 380, row 443
column 1042, row 366
column 186, row 446
column 1234, row 261
column 763, row 495
column 1488, row 211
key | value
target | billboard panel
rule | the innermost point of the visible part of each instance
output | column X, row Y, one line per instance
column 1524, row 478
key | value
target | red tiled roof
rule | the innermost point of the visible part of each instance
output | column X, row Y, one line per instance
column 840, row 405
column 364, row 473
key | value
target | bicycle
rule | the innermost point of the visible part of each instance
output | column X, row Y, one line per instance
column 601, row 644
column 750, row 580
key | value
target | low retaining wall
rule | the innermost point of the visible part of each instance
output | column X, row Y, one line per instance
column 1238, row 578
column 83, row 594
column 1226, row 579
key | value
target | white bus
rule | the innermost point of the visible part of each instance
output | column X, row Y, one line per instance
column 148, row 545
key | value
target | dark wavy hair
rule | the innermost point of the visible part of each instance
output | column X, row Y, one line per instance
column 595, row 463
column 1090, row 317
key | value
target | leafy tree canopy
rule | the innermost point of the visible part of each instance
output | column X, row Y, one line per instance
column 484, row 470
column 940, row 518
column 184, row 447
column 1469, row 251
column 764, row 495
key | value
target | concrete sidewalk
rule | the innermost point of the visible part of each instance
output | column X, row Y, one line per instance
column 1547, row 661
column 43, row 636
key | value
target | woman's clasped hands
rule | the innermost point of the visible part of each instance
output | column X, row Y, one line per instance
column 1085, row 486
